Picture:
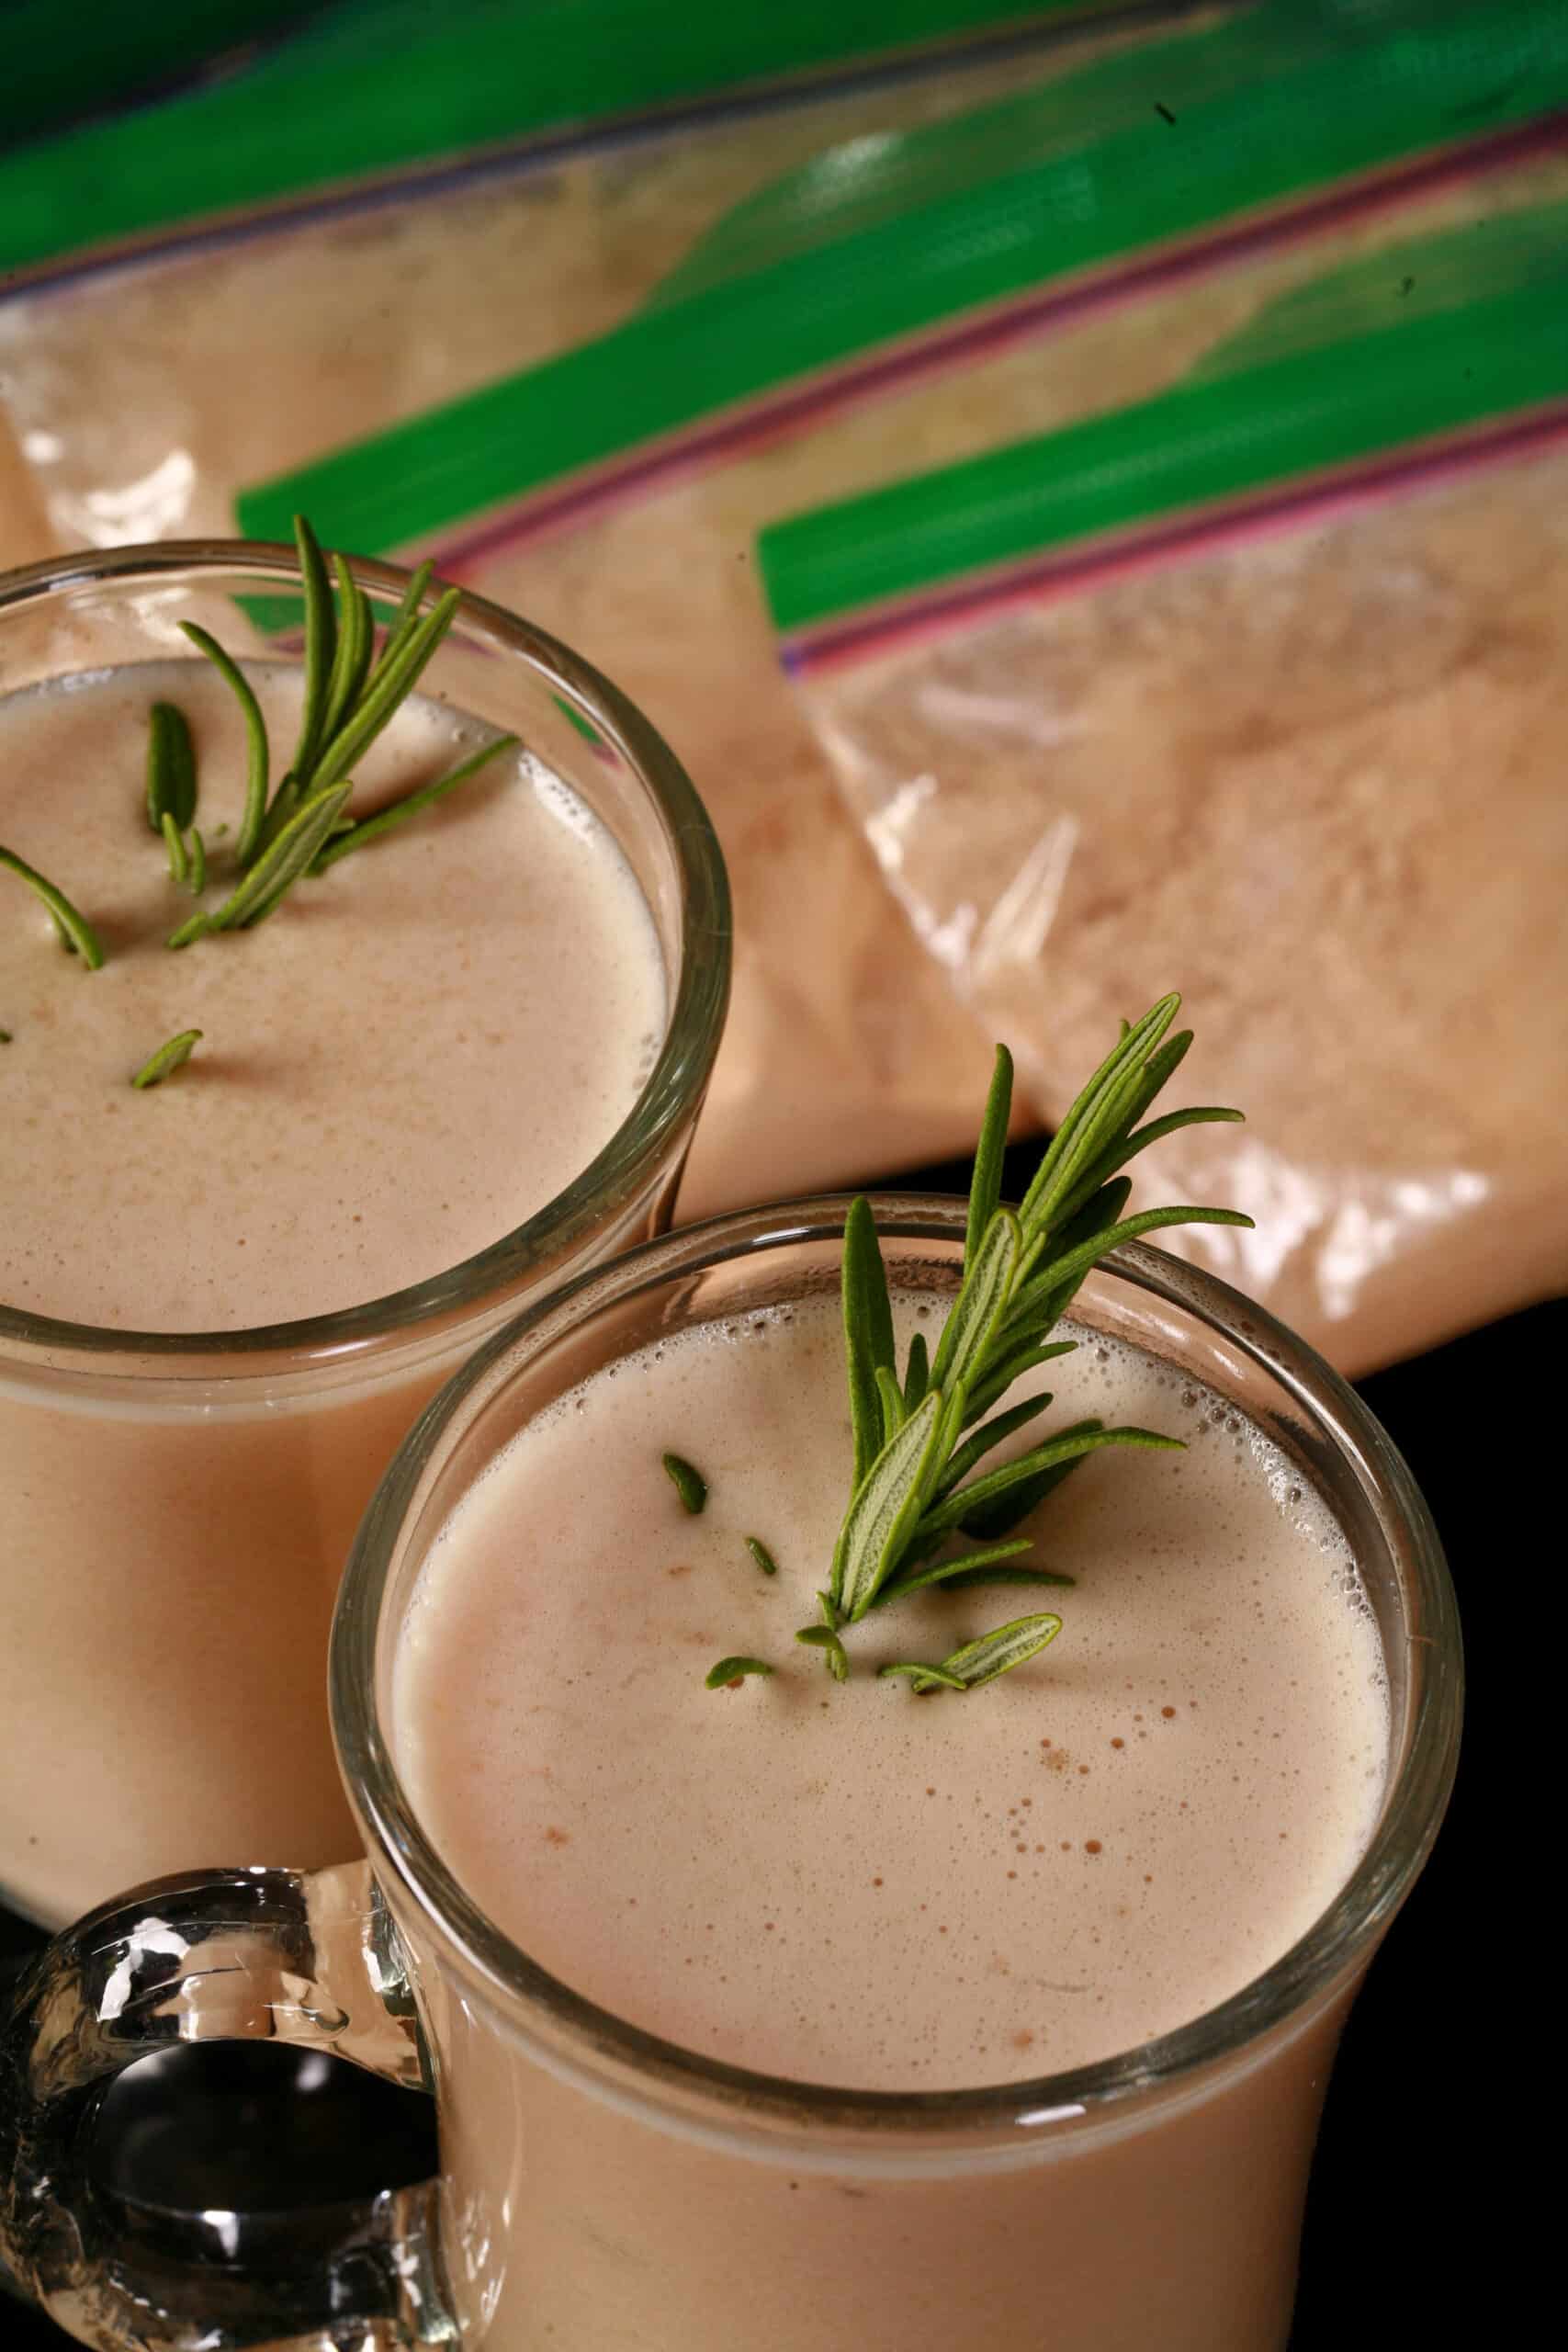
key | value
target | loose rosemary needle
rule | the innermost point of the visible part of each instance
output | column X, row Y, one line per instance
column 170, row 1057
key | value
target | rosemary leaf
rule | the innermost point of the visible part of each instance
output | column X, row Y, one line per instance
column 1139, row 1140
column 925, row 1677
column 321, row 651
column 75, row 932
column 197, row 880
column 275, row 871
column 407, row 612
column 1012, row 1368
column 762, row 1557
column 350, row 660
column 986, row 1188
column 1086, row 1117
column 170, row 1057
column 823, row 1638
column 980, row 1306
column 976, row 1447
column 911, row 1578
column 1001, row 1650
column 917, row 1373
column 391, row 682
column 688, row 1484
column 179, row 864
column 257, row 756
column 1077, row 1263
column 171, row 768
column 890, row 1397
column 953, row 1508
column 868, row 1332
column 981, row 1661
column 731, row 1672
column 371, row 829
column 885, row 1509
column 985, row 1521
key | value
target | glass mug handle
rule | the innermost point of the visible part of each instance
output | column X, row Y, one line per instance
column 309, row 1958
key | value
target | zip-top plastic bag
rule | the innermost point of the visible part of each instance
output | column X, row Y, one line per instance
column 894, row 254
column 1016, row 243
column 843, row 1055
column 1260, row 686
column 401, row 204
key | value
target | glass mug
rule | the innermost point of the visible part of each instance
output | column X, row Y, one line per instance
column 601, row 2188
column 123, row 1620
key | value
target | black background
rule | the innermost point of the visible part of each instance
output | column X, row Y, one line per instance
column 1408, row 2110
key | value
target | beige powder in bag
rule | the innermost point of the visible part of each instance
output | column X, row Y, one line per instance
column 844, row 1057
column 1318, row 780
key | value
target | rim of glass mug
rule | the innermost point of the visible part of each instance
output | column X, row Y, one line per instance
column 625, row 1167
column 663, row 2082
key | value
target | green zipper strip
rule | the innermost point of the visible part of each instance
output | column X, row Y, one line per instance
column 376, row 87
column 1043, row 213
column 1497, row 253
column 1203, row 444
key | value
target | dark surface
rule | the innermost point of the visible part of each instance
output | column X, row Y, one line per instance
column 1374, row 2269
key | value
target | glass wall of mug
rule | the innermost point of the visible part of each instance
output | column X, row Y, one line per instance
column 175, row 1509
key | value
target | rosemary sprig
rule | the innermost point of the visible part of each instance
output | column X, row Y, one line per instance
column 920, row 1477
column 75, row 932
column 917, row 1476
column 349, row 699
column 170, row 1057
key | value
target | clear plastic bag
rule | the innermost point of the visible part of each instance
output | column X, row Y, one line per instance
column 148, row 389
column 1259, row 689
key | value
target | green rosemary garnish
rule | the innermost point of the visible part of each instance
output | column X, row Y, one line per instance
column 919, row 1483
column 75, row 932
column 257, row 753
column 825, row 1638
column 371, row 829
column 174, row 841
column 170, row 1057
column 688, row 1484
column 171, row 770
column 350, row 696
column 762, row 1557
column 731, row 1672
column 982, row 1661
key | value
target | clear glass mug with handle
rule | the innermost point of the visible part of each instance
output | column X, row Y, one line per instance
column 176, row 1507
column 599, row 2187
